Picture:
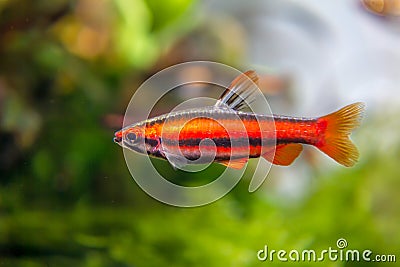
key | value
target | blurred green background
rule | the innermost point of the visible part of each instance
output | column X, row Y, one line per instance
column 67, row 72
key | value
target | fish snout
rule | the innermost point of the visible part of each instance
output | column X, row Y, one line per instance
column 118, row 137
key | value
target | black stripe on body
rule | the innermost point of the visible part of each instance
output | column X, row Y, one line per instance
column 226, row 142
column 221, row 113
column 221, row 142
column 283, row 141
column 280, row 118
column 208, row 112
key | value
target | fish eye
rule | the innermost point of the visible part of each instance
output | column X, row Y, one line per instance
column 131, row 137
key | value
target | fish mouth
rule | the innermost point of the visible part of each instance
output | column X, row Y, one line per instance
column 117, row 139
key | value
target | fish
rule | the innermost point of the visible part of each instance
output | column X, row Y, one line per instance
column 238, row 135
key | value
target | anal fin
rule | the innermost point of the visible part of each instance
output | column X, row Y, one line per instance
column 284, row 154
column 234, row 164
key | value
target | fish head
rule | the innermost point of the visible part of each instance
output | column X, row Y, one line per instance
column 132, row 137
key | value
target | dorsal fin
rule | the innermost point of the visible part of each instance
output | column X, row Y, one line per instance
column 240, row 91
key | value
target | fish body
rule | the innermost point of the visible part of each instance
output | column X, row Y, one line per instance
column 234, row 136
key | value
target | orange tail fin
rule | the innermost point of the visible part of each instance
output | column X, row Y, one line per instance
column 335, row 140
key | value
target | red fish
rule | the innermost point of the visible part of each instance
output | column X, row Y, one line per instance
column 238, row 135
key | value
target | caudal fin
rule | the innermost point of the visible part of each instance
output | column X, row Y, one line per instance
column 335, row 141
